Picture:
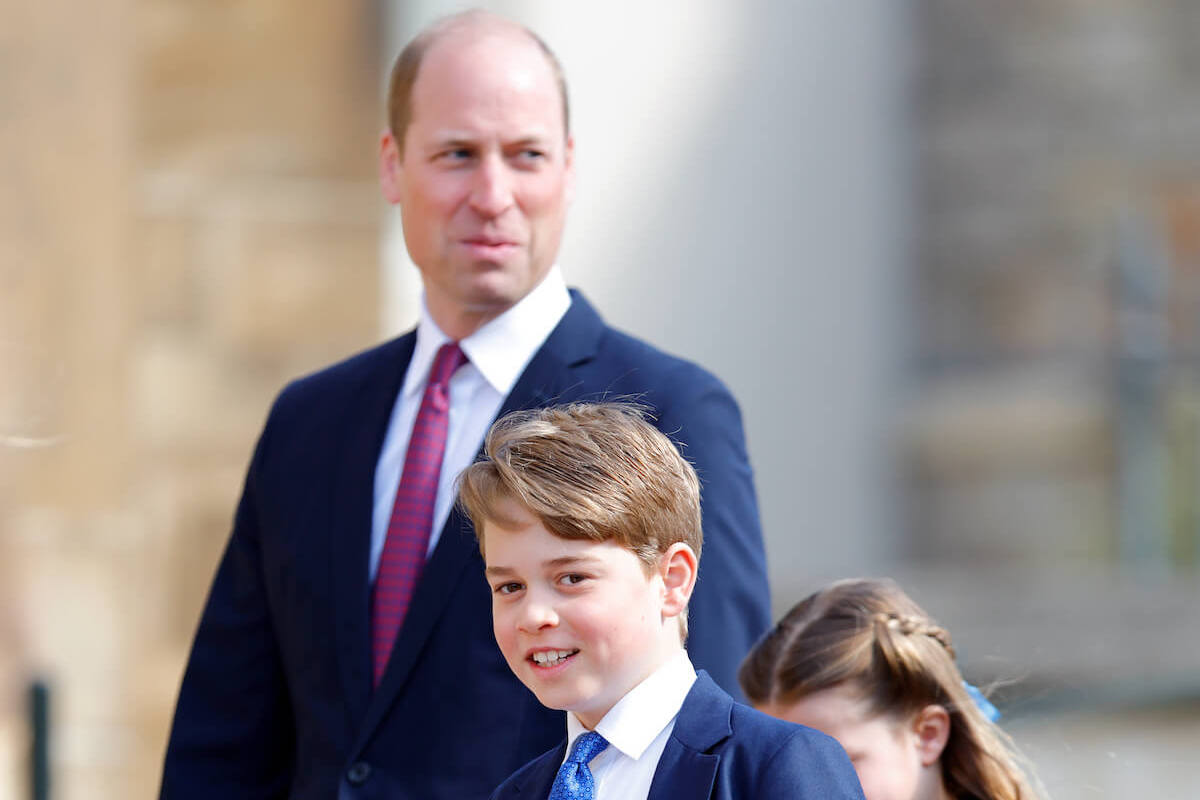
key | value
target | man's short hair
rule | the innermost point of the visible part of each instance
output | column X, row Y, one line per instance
column 408, row 65
column 595, row 471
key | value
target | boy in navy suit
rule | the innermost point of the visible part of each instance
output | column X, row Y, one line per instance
column 588, row 519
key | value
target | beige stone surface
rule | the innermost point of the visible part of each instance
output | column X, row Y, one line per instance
column 189, row 219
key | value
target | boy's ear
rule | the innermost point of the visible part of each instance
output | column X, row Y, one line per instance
column 677, row 567
column 931, row 731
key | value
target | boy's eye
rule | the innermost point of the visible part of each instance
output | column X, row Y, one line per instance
column 507, row 588
column 572, row 578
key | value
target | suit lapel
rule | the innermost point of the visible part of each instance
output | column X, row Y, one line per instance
column 688, row 767
column 535, row 781
column 683, row 772
column 353, row 500
column 549, row 377
column 438, row 581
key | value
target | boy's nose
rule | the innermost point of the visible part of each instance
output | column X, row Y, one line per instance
column 536, row 616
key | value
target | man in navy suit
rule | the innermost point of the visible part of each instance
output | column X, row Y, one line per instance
column 285, row 693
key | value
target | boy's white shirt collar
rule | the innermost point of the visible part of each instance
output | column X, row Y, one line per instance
column 500, row 349
column 638, row 717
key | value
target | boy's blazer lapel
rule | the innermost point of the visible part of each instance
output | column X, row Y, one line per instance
column 534, row 780
column 687, row 767
column 547, row 378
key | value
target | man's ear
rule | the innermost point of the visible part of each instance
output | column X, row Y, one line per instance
column 677, row 567
column 569, row 161
column 390, row 171
column 931, row 731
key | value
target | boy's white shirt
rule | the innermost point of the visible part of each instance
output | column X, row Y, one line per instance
column 637, row 729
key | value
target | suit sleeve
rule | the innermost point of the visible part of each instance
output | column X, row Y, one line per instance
column 731, row 606
column 233, row 731
column 810, row 766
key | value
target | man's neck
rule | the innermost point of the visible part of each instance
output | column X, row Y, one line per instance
column 459, row 323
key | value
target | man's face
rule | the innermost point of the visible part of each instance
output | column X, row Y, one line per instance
column 484, row 174
column 580, row 623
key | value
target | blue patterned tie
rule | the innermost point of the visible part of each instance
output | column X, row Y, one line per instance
column 574, row 779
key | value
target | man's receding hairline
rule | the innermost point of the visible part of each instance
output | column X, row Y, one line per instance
column 484, row 24
column 489, row 26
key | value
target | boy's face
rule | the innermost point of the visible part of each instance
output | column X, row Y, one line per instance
column 580, row 623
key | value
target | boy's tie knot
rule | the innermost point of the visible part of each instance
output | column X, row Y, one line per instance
column 574, row 780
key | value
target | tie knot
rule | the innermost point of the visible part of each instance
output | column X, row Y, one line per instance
column 586, row 747
column 448, row 359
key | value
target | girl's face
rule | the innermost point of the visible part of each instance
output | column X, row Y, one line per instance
column 893, row 757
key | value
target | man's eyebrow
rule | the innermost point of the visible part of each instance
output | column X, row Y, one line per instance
column 533, row 138
column 451, row 140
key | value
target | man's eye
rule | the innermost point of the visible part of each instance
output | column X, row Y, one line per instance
column 530, row 156
column 457, row 154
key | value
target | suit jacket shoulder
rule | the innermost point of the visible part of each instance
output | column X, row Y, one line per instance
column 723, row 749
column 378, row 369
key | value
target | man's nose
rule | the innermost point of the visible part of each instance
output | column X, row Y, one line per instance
column 492, row 192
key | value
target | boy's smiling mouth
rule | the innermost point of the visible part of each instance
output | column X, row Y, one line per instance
column 551, row 658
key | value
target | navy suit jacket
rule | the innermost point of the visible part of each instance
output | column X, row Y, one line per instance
column 723, row 750
column 276, row 699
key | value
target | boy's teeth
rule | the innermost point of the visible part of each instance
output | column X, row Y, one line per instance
column 551, row 656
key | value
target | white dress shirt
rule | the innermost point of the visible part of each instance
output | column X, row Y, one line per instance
column 498, row 353
column 637, row 729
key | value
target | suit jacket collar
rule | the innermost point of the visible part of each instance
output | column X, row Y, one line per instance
column 573, row 342
column 687, row 768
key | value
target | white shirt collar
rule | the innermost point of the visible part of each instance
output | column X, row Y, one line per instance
column 638, row 717
column 501, row 348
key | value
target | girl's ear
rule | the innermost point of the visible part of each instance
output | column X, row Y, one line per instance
column 931, row 727
column 677, row 567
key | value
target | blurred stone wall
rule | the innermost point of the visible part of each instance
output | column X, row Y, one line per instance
column 1054, row 438
column 188, row 218
column 1060, row 145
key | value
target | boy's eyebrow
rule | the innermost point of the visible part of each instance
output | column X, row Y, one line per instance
column 568, row 561
column 554, row 563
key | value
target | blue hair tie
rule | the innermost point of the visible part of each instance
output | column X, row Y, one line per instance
column 982, row 703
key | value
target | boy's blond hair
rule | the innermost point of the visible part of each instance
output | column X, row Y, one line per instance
column 595, row 471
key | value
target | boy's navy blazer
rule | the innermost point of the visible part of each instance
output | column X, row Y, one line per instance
column 276, row 699
column 723, row 750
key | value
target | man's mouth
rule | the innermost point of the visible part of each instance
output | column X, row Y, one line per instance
column 489, row 241
column 551, row 658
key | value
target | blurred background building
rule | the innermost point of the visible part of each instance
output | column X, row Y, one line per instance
column 946, row 254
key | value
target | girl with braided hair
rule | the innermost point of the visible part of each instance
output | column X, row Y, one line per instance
column 862, row 662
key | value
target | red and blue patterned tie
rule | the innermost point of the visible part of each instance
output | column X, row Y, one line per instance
column 412, row 515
